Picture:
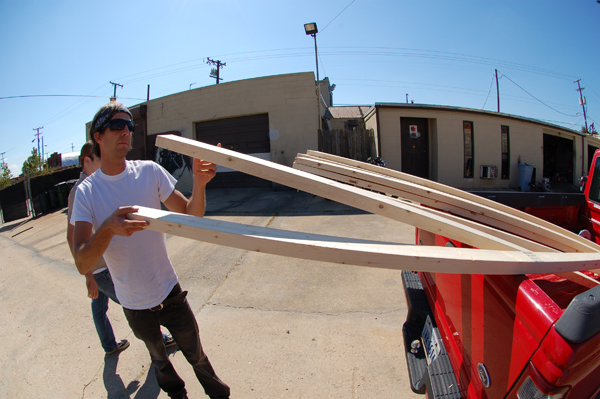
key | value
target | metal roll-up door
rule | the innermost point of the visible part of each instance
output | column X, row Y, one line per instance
column 245, row 134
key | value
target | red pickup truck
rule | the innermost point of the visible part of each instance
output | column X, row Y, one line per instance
column 519, row 336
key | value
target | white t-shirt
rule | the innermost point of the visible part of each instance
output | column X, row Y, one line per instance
column 139, row 265
column 101, row 265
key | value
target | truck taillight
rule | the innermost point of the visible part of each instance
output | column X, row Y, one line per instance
column 529, row 390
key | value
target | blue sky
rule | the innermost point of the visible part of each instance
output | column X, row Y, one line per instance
column 65, row 54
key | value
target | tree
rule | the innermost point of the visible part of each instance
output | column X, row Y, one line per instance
column 33, row 164
column 5, row 176
column 591, row 130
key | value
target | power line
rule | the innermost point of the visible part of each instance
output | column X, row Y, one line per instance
column 338, row 15
column 359, row 51
column 64, row 95
column 504, row 76
column 489, row 91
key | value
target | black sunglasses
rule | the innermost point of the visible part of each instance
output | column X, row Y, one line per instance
column 119, row 124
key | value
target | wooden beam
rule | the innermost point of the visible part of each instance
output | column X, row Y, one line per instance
column 577, row 276
column 557, row 238
column 363, row 252
column 457, row 193
column 343, row 193
column 523, row 243
column 430, row 220
column 331, row 170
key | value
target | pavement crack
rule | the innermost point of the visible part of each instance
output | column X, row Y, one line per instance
column 232, row 269
column 218, row 286
column 341, row 313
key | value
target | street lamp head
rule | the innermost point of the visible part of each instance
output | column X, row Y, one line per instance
column 311, row 28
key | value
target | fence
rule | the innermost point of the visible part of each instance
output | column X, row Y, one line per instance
column 48, row 192
column 354, row 144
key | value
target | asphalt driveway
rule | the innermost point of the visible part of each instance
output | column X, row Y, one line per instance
column 273, row 327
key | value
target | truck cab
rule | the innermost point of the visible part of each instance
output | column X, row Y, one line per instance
column 512, row 336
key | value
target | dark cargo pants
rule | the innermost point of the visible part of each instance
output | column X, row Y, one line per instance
column 177, row 316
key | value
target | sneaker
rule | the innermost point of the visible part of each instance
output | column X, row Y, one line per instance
column 169, row 341
column 124, row 344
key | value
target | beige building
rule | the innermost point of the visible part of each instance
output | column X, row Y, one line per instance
column 472, row 149
column 276, row 117
column 273, row 118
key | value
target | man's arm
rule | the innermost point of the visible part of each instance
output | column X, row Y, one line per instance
column 203, row 173
column 88, row 247
column 70, row 229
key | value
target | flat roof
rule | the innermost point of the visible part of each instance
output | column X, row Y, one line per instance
column 476, row 111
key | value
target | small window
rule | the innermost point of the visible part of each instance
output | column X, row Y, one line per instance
column 469, row 149
column 505, row 138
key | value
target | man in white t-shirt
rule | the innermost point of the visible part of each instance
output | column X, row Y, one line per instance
column 144, row 278
column 99, row 284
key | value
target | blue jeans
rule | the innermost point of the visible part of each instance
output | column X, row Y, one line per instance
column 177, row 316
column 106, row 290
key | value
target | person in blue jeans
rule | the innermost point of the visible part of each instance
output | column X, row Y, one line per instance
column 98, row 281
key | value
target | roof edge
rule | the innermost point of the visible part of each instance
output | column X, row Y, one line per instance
column 478, row 111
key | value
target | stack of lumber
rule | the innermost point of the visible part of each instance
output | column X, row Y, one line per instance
column 509, row 241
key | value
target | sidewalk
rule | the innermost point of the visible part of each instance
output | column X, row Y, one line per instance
column 273, row 327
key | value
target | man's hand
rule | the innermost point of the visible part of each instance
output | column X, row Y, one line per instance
column 120, row 225
column 204, row 171
column 92, row 286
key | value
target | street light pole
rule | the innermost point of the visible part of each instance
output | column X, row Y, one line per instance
column 311, row 29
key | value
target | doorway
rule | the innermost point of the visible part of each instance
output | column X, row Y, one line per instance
column 414, row 136
column 558, row 159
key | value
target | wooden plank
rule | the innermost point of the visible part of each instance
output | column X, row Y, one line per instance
column 438, row 200
column 516, row 240
column 281, row 174
column 514, row 223
column 453, row 191
column 362, row 252
column 577, row 277
column 343, row 193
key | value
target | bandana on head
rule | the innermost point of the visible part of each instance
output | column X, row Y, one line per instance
column 108, row 113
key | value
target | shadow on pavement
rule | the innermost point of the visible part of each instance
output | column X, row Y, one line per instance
column 271, row 201
column 116, row 389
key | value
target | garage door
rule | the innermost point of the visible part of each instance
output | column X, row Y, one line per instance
column 245, row 134
column 558, row 159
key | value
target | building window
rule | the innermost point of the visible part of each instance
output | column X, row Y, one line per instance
column 505, row 172
column 469, row 149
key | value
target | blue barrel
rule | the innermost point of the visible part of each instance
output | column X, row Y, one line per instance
column 526, row 171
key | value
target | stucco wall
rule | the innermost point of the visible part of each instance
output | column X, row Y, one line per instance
column 371, row 123
column 289, row 100
column 446, row 145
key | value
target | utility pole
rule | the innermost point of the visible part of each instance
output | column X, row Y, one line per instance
column 582, row 102
column 115, row 86
column 497, row 90
column 72, row 147
column 214, row 73
column 38, row 139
